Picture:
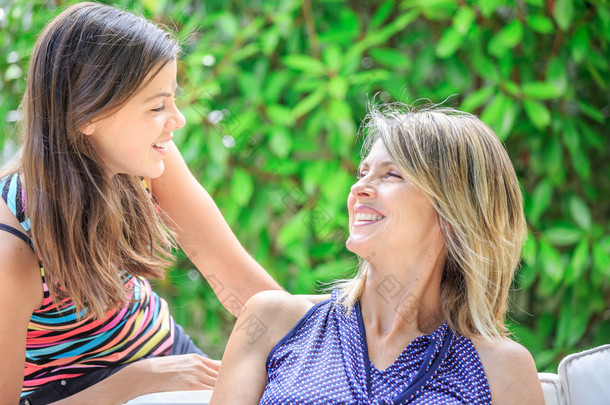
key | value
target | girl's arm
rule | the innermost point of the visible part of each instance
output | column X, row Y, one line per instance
column 265, row 319
column 205, row 236
column 20, row 294
column 185, row 372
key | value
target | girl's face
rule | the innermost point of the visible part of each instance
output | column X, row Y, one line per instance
column 135, row 139
column 389, row 216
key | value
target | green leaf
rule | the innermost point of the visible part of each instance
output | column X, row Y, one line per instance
column 391, row 58
column 242, row 187
column 305, row 63
column 280, row 142
column 541, row 198
column 309, row 103
column 551, row 262
column 500, row 115
column 449, row 43
column 601, row 260
column 579, row 258
column 591, row 111
column 540, row 23
column 383, row 12
column 293, row 232
column 507, row 38
column 337, row 87
column 557, row 75
column 540, row 90
column 529, row 250
column 279, row 114
column 580, row 44
column 463, row 20
column 538, row 114
column 580, row 212
column 563, row 235
column 477, row 98
column 564, row 13
column 572, row 324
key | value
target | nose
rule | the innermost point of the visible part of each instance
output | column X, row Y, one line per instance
column 176, row 121
column 363, row 189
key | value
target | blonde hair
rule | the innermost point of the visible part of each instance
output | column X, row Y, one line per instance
column 462, row 167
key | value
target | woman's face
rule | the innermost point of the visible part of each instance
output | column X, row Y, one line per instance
column 135, row 139
column 388, row 215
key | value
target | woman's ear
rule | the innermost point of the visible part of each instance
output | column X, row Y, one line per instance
column 87, row 128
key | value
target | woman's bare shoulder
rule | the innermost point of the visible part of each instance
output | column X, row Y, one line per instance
column 510, row 370
column 274, row 312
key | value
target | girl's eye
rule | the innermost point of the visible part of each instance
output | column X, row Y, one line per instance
column 159, row 109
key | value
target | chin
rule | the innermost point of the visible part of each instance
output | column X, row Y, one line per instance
column 157, row 172
column 361, row 248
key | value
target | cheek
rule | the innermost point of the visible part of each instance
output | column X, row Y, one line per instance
column 351, row 201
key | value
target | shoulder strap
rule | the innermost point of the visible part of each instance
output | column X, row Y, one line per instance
column 11, row 191
column 17, row 233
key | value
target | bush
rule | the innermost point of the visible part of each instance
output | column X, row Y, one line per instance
column 273, row 93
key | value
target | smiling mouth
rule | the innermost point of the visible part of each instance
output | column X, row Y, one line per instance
column 161, row 145
column 361, row 218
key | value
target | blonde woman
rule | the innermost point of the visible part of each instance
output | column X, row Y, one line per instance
column 436, row 218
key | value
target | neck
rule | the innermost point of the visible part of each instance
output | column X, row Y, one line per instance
column 403, row 300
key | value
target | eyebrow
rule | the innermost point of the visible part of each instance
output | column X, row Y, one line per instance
column 162, row 94
column 385, row 163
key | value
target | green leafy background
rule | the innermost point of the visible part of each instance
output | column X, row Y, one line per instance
column 274, row 91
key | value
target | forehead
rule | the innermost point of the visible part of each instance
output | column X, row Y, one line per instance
column 378, row 154
column 162, row 83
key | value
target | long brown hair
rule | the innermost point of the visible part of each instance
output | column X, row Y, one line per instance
column 89, row 229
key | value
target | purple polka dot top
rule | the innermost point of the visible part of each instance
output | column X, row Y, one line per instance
column 324, row 360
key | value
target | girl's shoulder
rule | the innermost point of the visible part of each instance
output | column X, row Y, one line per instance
column 510, row 370
column 19, row 267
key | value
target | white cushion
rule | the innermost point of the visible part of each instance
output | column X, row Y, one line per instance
column 585, row 377
column 551, row 388
column 173, row 398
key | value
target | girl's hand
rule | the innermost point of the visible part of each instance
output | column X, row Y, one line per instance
column 175, row 373
column 186, row 372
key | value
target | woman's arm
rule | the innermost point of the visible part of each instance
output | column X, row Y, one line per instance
column 511, row 372
column 265, row 319
column 205, row 236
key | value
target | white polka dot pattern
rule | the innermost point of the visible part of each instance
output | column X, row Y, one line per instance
column 322, row 361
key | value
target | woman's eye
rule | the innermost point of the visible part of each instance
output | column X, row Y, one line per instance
column 361, row 174
column 159, row 109
column 393, row 174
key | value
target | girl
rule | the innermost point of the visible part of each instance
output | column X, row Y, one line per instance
column 92, row 208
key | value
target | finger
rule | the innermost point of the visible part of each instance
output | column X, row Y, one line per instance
column 215, row 364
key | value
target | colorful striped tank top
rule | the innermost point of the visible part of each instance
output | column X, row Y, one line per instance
column 59, row 346
column 324, row 360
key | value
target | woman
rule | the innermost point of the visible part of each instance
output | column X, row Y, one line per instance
column 99, row 116
column 436, row 218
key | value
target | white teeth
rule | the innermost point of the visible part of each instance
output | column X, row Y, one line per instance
column 360, row 216
column 161, row 145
